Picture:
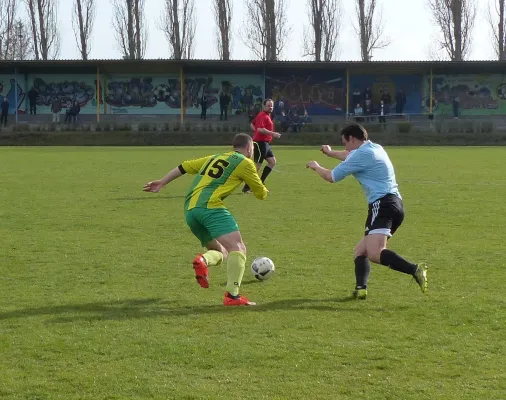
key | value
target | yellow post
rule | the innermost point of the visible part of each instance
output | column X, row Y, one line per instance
column 104, row 94
column 181, row 78
column 347, row 92
column 98, row 94
column 430, row 91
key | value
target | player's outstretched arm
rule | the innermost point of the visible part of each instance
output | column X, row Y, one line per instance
column 338, row 154
column 190, row 166
column 323, row 172
column 156, row 186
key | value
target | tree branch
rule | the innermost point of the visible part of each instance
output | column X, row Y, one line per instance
column 129, row 27
column 455, row 21
column 265, row 29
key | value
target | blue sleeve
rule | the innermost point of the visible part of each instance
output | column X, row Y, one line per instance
column 356, row 162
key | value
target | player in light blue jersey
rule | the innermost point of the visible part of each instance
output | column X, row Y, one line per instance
column 369, row 163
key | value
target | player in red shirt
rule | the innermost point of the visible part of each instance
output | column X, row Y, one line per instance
column 263, row 126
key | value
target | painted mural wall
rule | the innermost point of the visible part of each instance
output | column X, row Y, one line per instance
column 64, row 88
column 8, row 89
column 466, row 94
column 320, row 93
column 162, row 95
column 384, row 86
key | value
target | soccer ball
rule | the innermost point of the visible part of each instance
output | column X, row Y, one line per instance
column 262, row 268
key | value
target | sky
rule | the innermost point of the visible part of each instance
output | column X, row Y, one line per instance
column 407, row 24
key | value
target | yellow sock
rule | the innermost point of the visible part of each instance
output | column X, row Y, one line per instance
column 213, row 257
column 235, row 270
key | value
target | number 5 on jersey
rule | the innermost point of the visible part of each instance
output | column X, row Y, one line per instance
column 215, row 170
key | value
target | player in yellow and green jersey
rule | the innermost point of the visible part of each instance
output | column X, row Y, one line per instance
column 216, row 177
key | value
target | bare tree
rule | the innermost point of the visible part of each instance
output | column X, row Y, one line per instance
column 223, row 16
column 497, row 26
column 21, row 48
column 370, row 28
column 322, row 35
column 455, row 20
column 15, row 43
column 30, row 4
column 82, row 23
column 45, row 37
column 266, row 30
column 178, row 23
column 8, row 13
column 129, row 27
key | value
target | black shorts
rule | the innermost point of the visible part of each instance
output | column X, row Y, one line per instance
column 385, row 216
column 262, row 150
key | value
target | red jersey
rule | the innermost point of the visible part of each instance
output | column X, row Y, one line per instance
column 262, row 120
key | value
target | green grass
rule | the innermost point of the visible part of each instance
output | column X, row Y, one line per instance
column 98, row 298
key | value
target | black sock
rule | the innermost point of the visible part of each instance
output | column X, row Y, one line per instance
column 265, row 173
column 362, row 271
column 396, row 262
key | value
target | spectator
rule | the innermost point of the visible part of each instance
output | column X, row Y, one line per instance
column 305, row 118
column 456, row 106
column 5, row 112
column 296, row 120
column 357, row 96
column 382, row 113
column 368, row 94
column 387, row 101
column 68, row 111
column 368, row 107
column 301, row 109
column 56, row 109
column 74, row 111
column 224, row 103
column 400, row 102
column 32, row 98
column 292, row 120
column 251, row 113
column 203, row 103
column 358, row 112
column 283, row 121
column 279, row 109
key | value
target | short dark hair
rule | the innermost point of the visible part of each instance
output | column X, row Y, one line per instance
column 354, row 130
column 241, row 140
column 266, row 100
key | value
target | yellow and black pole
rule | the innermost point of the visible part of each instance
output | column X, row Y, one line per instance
column 347, row 92
column 103, row 93
column 430, row 92
column 98, row 94
column 181, row 85
column 16, row 102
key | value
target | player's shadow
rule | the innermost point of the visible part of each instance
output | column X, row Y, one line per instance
column 105, row 309
column 158, row 196
column 250, row 282
column 154, row 307
column 149, row 197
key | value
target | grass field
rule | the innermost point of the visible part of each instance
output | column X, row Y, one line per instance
column 98, row 299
